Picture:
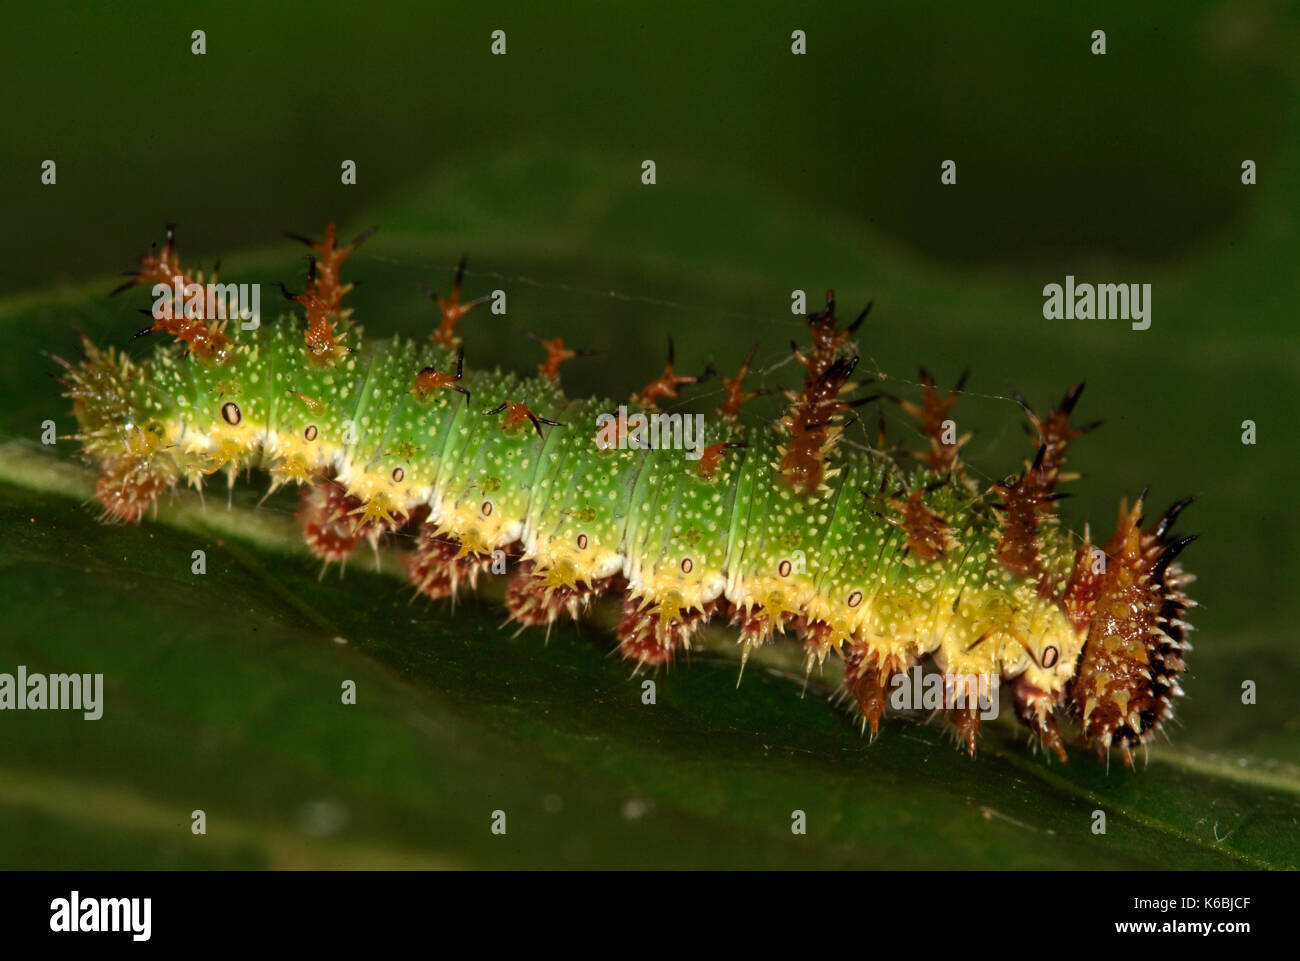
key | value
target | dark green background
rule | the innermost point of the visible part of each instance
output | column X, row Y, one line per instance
column 775, row 172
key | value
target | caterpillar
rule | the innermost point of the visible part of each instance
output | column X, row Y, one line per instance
column 783, row 528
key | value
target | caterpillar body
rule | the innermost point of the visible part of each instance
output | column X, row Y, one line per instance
column 782, row 528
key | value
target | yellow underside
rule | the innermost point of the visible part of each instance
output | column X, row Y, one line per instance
column 999, row 633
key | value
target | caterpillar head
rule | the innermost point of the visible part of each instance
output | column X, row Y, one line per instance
column 117, row 431
column 1133, row 604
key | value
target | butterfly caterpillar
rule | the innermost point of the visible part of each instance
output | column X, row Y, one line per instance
column 781, row 528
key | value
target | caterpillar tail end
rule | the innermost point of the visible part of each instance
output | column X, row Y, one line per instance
column 1127, row 678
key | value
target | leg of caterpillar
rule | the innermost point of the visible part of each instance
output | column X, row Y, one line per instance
column 1034, row 707
column 756, row 627
column 965, row 724
column 129, row 486
column 652, row 638
column 640, row 638
column 439, row 567
column 818, row 640
column 533, row 602
column 332, row 521
column 323, row 516
column 867, row 678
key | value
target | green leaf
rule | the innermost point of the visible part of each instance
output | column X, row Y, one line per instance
column 223, row 689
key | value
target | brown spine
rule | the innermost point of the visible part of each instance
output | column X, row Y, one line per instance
column 932, row 412
column 1027, row 501
column 202, row 336
column 809, row 420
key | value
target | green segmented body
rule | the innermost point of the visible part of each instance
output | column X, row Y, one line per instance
column 882, row 565
column 744, row 532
